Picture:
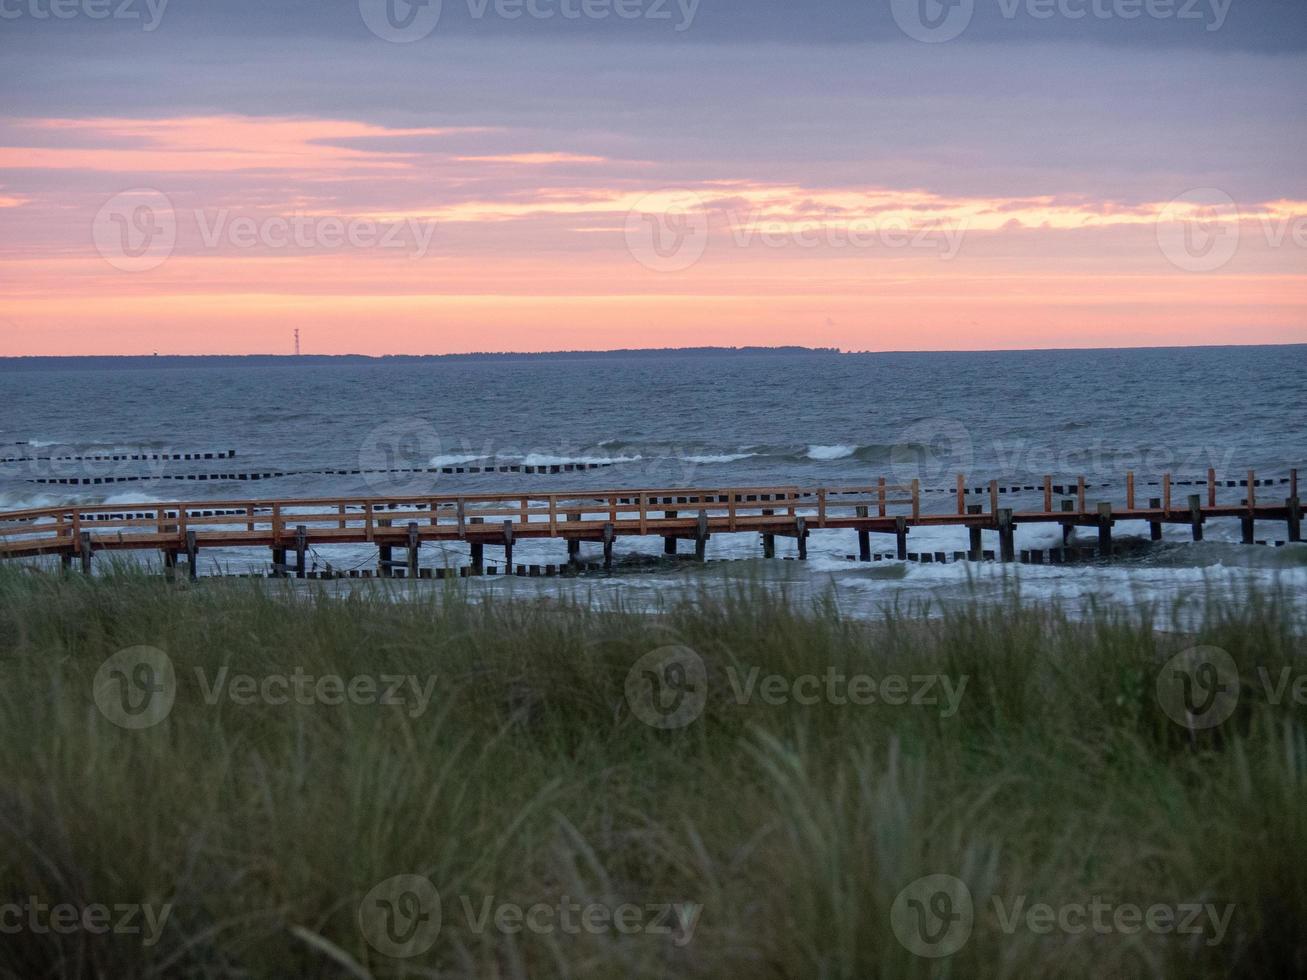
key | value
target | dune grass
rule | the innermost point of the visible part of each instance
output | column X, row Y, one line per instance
column 517, row 770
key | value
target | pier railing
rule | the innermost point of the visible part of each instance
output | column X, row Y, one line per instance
column 450, row 516
column 675, row 513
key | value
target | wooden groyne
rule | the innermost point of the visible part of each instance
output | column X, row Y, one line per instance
column 291, row 529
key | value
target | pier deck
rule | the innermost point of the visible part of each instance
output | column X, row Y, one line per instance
column 293, row 527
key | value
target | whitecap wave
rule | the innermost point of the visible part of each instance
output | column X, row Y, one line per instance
column 453, row 460
column 827, row 453
column 541, row 459
column 721, row 458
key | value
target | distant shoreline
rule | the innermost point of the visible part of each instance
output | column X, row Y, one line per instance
column 36, row 362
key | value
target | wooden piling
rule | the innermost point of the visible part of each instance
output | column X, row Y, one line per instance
column 1248, row 526
column 1006, row 535
column 1068, row 527
column 385, row 553
column 477, row 557
column 975, row 541
column 801, row 535
column 86, row 549
column 508, row 545
column 769, row 545
column 701, row 536
column 1294, row 511
column 301, row 548
column 610, row 533
column 1105, row 528
column 192, row 551
column 1155, row 527
column 901, row 537
column 1196, row 516
column 414, row 543
column 864, row 536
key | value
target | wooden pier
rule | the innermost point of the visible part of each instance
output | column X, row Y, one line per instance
column 291, row 529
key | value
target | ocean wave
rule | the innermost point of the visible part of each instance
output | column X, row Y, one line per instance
column 827, row 453
column 453, row 460
column 541, row 459
column 721, row 458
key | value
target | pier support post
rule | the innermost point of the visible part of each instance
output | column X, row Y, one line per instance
column 1105, row 529
column 901, row 537
column 769, row 545
column 573, row 544
column 86, row 550
column 508, row 546
column 1196, row 516
column 1155, row 527
column 864, row 536
column 801, row 535
column 278, row 561
column 301, row 547
column 701, row 536
column 477, row 555
column 66, row 561
column 1295, row 519
column 610, row 533
column 1068, row 528
column 669, row 540
column 1246, row 524
column 975, row 544
column 414, row 543
column 192, row 550
column 1007, row 544
column 169, row 563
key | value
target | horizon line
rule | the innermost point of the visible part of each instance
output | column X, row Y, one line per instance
column 618, row 351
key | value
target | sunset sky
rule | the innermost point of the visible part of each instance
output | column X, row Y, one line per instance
column 207, row 177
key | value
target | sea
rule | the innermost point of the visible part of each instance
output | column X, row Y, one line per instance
column 322, row 427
